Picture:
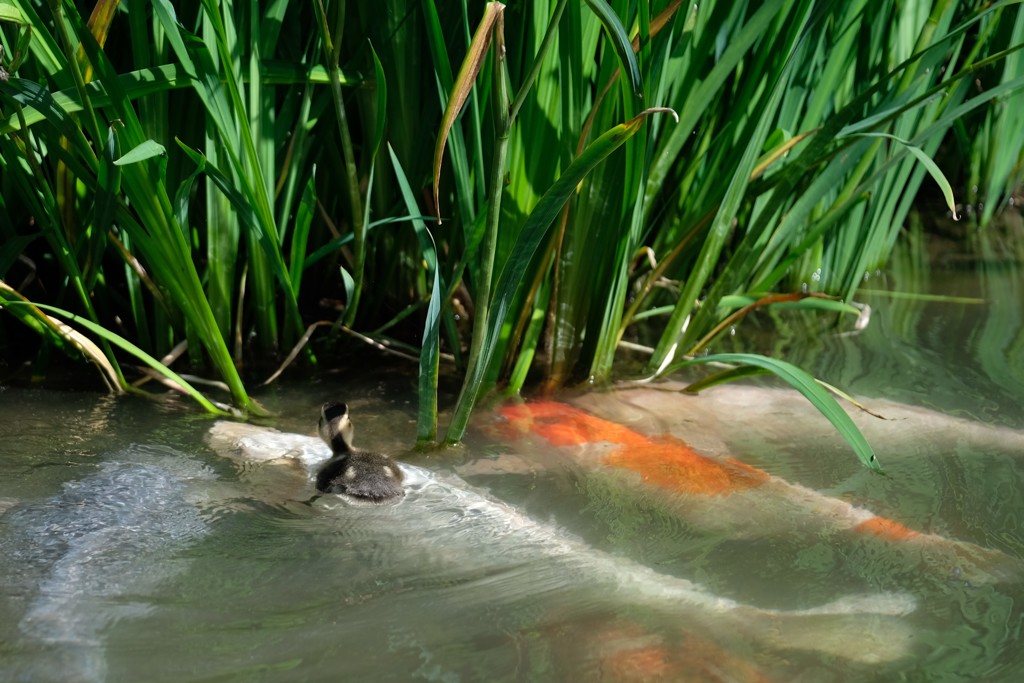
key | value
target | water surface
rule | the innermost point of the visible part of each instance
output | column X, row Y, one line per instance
column 131, row 551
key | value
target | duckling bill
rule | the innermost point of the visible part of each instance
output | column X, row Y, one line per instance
column 363, row 474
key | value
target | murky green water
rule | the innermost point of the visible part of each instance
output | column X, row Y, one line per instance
column 536, row 568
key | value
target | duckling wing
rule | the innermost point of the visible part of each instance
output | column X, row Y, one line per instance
column 362, row 474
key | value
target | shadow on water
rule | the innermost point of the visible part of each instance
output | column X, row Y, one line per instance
column 131, row 551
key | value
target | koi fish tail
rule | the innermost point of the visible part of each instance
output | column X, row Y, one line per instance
column 861, row 637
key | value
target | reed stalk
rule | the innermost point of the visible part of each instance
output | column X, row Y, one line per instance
column 225, row 175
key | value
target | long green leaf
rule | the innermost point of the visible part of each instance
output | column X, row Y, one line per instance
column 250, row 219
column 108, row 190
column 800, row 380
column 134, row 350
column 298, row 259
column 426, row 419
column 707, row 260
column 146, row 150
column 361, row 229
column 621, row 43
column 489, row 24
column 534, row 232
column 141, row 83
column 933, row 169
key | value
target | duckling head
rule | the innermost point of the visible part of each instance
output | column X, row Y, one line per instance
column 335, row 427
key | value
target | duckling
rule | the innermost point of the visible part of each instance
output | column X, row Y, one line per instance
column 363, row 474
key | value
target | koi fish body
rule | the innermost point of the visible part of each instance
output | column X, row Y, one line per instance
column 721, row 494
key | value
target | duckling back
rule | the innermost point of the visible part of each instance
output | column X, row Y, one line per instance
column 363, row 474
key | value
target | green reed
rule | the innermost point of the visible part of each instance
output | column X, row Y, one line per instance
column 217, row 170
column 136, row 142
column 793, row 166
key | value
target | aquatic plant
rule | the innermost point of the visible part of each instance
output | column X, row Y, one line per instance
column 762, row 186
column 219, row 176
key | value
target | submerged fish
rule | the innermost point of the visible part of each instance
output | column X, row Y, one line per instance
column 79, row 561
column 723, row 494
column 104, row 548
column 443, row 520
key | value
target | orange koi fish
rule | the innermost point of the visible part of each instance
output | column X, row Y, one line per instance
column 619, row 649
column 724, row 494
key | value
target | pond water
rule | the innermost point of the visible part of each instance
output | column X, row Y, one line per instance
column 130, row 550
